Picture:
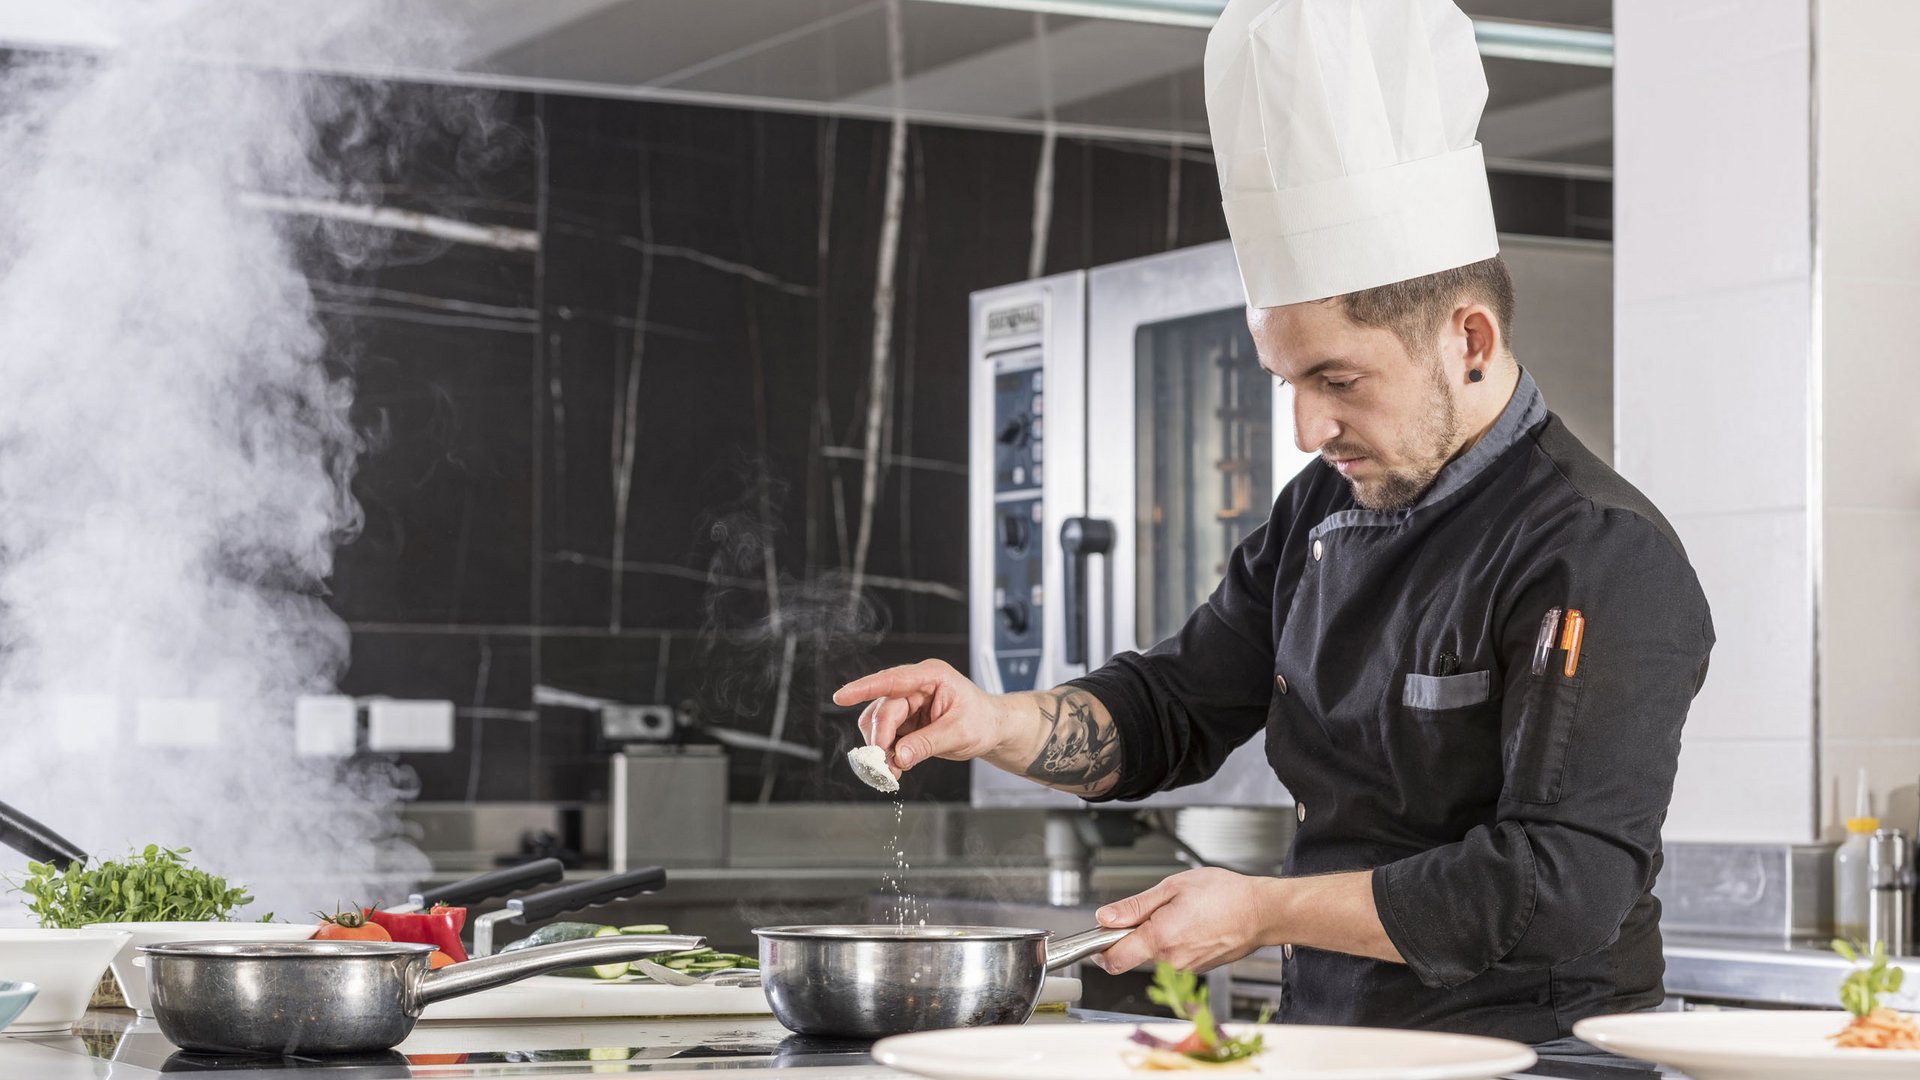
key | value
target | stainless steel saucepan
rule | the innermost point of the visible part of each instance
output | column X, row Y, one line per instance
column 338, row 997
column 874, row 981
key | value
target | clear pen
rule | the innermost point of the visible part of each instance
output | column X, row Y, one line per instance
column 1543, row 645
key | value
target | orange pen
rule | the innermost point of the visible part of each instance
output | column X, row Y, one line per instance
column 1574, row 629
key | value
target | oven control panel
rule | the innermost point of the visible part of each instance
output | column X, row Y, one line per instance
column 1019, row 463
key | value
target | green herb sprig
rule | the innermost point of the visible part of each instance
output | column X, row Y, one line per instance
column 151, row 885
column 1181, row 993
column 1860, row 993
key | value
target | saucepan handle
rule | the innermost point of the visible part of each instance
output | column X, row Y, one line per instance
column 473, row 890
column 605, row 890
column 36, row 841
column 487, row 972
column 1074, row 949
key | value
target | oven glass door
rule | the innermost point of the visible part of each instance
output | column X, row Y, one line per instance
column 1188, row 441
column 1203, row 460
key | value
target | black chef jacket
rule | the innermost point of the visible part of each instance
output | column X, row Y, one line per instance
column 1512, row 820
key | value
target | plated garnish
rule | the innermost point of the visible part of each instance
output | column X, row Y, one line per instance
column 1206, row 1046
column 1874, row 1026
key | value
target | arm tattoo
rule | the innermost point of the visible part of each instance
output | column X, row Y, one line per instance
column 1080, row 752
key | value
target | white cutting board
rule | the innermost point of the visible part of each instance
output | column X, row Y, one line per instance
column 546, row 997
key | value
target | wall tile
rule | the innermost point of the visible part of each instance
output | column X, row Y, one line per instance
column 1712, row 164
column 1743, row 790
column 1893, row 770
column 1711, row 397
column 1753, row 569
column 445, row 485
column 1868, row 168
column 1656, row 37
column 489, row 680
column 1871, row 455
column 1873, row 25
column 1870, row 618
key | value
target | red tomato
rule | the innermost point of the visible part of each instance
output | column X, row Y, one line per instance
column 349, row 926
column 439, row 959
column 1192, row 1044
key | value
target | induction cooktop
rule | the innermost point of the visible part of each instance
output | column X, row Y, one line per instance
column 134, row 1049
column 137, row 1049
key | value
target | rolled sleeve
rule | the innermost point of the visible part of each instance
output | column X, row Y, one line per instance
column 1589, row 764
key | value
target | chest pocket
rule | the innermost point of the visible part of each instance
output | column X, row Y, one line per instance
column 1440, row 692
column 1445, row 749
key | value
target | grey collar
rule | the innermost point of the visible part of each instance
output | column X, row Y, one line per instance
column 1525, row 409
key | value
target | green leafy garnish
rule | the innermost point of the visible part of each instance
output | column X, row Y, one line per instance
column 1861, row 991
column 153, row 885
column 1181, row 992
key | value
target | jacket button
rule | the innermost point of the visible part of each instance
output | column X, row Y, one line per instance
column 1300, row 812
column 1280, row 683
column 1318, row 550
column 1286, row 951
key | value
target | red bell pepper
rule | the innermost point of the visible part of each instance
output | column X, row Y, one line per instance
column 439, row 927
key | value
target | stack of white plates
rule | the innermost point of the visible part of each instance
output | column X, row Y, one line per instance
column 1252, row 840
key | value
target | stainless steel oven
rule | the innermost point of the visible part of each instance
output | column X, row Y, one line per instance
column 1124, row 440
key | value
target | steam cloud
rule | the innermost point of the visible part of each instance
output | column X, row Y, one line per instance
column 175, row 447
column 774, row 644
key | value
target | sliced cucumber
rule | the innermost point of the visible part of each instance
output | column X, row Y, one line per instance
column 557, row 932
column 645, row 928
column 609, row 971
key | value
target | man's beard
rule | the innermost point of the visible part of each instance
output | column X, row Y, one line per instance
column 1430, row 445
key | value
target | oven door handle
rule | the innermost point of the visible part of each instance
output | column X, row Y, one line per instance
column 1079, row 538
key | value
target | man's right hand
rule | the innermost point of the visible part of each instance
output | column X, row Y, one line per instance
column 926, row 710
column 1063, row 738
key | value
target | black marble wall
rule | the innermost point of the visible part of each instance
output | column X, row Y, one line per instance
column 628, row 463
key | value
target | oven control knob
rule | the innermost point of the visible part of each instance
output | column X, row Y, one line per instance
column 1014, row 616
column 1015, row 533
column 1015, row 431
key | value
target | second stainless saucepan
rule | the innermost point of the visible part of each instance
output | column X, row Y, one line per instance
column 874, row 981
column 337, row 997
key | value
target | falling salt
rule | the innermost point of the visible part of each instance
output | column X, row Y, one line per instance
column 906, row 906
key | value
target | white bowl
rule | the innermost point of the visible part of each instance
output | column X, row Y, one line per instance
column 65, row 964
column 130, row 968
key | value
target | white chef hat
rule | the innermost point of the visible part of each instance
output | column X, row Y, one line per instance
column 1343, row 131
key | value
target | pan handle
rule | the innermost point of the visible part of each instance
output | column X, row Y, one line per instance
column 547, row 904
column 487, row 972
column 1074, row 949
column 469, row 891
column 36, row 841
column 606, row 890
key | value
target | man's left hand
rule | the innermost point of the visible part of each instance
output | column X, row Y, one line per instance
column 1196, row 920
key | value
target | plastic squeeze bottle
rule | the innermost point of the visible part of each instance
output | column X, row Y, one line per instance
column 1850, row 883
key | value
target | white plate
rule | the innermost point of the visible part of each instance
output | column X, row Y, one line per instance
column 129, row 967
column 1730, row 1045
column 1099, row 1052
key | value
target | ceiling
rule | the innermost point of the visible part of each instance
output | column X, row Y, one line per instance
column 963, row 63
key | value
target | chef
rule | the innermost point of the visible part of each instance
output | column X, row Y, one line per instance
column 1468, row 645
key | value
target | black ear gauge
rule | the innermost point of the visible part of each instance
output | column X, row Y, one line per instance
column 1475, row 375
